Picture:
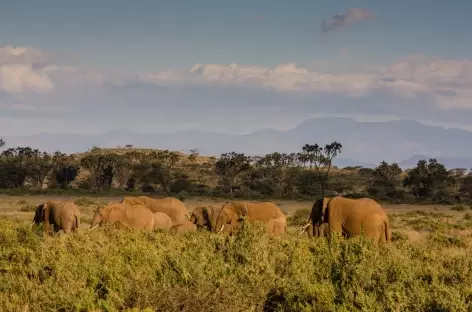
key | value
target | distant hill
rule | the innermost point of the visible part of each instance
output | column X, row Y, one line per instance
column 449, row 162
column 364, row 143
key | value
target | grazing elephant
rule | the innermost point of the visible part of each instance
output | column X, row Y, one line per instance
column 172, row 207
column 124, row 216
column 349, row 217
column 187, row 226
column 162, row 221
column 205, row 217
column 63, row 215
column 266, row 212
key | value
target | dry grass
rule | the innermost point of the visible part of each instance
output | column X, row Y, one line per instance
column 426, row 268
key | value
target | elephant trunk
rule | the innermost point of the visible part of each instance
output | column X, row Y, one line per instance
column 95, row 222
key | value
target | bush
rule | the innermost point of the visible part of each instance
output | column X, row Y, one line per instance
column 300, row 217
column 458, row 208
column 110, row 270
column 181, row 184
column 84, row 201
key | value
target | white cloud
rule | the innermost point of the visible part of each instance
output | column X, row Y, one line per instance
column 17, row 78
column 20, row 71
column 446, row 80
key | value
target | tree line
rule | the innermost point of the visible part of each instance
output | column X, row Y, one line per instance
column 308, row 173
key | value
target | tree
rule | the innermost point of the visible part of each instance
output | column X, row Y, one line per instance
column 125, row 176
column 387, row 174
column 230, row 168
column 427, row 179
column 15, row 163
column 65, row 169
column 102, row 167
column 2, row 143
column 194, row 166
column 321, row 159
column 41, row 165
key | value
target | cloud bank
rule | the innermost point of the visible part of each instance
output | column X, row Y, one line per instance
column 38, row 94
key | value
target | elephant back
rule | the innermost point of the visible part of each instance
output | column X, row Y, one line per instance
column 263, row 211
column 173, row 207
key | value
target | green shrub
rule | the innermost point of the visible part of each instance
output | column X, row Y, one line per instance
column 118, row 270
column 458, row 208
column 300, row 217
column 28, row 208
column 84, row 201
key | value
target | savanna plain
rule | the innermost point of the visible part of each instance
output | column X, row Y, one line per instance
column 426, row 267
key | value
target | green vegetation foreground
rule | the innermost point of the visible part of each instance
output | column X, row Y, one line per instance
column 111, row 270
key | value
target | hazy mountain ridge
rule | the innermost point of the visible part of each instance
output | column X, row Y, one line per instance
column 364, row 143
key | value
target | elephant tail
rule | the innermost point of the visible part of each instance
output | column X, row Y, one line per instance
column 388, row 233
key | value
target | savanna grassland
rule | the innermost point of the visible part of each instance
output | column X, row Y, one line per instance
column 427, row 267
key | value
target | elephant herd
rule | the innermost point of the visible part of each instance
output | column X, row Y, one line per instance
column 349, row 217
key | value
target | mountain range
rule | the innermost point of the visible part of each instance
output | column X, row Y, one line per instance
column 364, row 143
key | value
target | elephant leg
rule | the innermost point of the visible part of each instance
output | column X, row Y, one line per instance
column 47, row 228
column 310, row 231
column 334, row 228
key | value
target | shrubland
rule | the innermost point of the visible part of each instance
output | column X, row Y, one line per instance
column 130, row 270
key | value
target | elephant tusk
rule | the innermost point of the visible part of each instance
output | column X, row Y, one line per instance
column 32, row 224
column 222, row 227
column 94, row 227
column 304, row 228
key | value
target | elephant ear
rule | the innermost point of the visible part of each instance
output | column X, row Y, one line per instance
column 240, row 210
column 325, row 209
column 38, row 214
column 45, row 210
column 206, row 214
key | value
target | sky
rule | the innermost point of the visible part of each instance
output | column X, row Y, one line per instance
column 231, row 66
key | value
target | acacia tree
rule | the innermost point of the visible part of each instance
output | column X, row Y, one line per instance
column 230, row 168
column 65, row 169
column 40, row 166
column 194, row 166
column 125, row 176
column 14, row 167
column 157, row 168
column 320, row 158
column 102, row 167
column 2, row 143
column 271, row 173
column 427, row 178
column 387, row 174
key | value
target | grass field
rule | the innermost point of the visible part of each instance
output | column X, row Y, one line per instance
column 428, row 266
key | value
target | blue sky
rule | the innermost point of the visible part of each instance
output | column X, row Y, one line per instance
column 110, row 61
column 155, row 35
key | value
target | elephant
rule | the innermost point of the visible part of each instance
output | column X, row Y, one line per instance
column 161, row 221
column 231, row 213
column 350, row 217
column 204, row 217
column 172, row 207
column 63, row 215
column 124, row 216
column 187, row 226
